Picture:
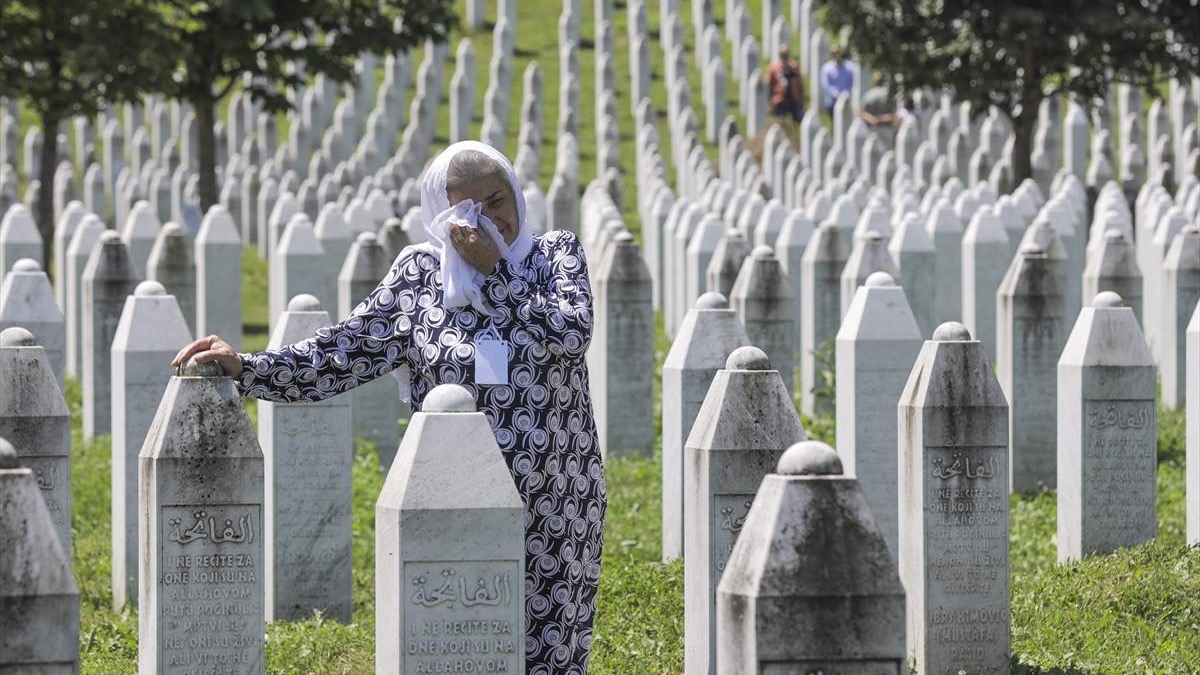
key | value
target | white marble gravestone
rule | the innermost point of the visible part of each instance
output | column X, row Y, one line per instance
column 762, row 298
column 946, row 232
column 1029, row 339
column 39, row 609
column 745, row 424
column 171, row 264
column 820, row 311
column 139, row 233
column 201, row 533
column 876, row 348
column 108, row 278
column 450, row 547
column 308, row 450
column 376, row 407
column 27, row 300
column 34, row 415
column 1112, row 266
column 810, row 586
column 708, row 335
column 953, row 478
column 297, row 266
column 68, row 223
column 1107, row 433
column 87, row 236
column 218, row 256
column 1180, row 293
column 150, row 332
column 19, row 237
column 912, row 251
column 1192, row 416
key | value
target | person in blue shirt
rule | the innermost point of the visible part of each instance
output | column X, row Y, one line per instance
column 837, row 78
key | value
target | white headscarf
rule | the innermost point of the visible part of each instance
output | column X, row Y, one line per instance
column 461, row 283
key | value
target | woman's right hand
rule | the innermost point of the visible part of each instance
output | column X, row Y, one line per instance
column 211, row 348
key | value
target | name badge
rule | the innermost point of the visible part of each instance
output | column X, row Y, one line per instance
column 491, row 361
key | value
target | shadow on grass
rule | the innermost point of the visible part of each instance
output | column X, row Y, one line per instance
column 1019, row 668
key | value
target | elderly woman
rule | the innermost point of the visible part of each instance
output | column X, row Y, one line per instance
column 507, row 315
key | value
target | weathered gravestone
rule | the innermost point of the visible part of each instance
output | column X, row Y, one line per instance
column 170, row 263
column 913, row 252
column 762, row 298
column 876, row 348
column 953, row 478
column 1029, row 327
column 107, row 280
column 200, row 525
column 19, row 238
column 820, row 311
column 450, row 547
column 297, row 266
column 39, row 605
column 308, row 451
column 139, row 233
column 218, row 251
column 68, row 223
column 708, row 335
column 1180, row 293
column 27, row 300
column 34, row 415
column 1112, row 266
column 746, row 422
column 811, row 586
column 1193, row 429
column 150, row 332
column 375, row 407
column 1107, row 433
column 985, row 258
column 85, row 239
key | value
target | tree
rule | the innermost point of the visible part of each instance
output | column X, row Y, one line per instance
column 1013, row 54
column 221, row 44
column 71, row 57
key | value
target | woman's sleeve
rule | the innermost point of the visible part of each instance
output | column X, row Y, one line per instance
column 368, row 343
column 558, row 312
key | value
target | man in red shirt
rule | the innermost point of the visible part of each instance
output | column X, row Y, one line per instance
column 784, row 87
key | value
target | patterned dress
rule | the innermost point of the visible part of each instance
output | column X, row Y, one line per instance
column 542, row 419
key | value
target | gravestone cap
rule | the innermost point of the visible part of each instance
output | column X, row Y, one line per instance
column 951, row 331
column 1191, row 230
column 26, row 265
column 748, row 358
column 763, row 252
column 304, row 303
column 172, row 228
column 109, row 236
column 449, row 398
column 1032, row 248
column 712, row 300
column 624, row 237
column 1114, row 235
column 872, row 235
column 17, row 337
column 1107, row 300
column 810, row 458
column 880, row 280
column 149, row 288
column 365, row 238
column 193, row 369
column 8, row 455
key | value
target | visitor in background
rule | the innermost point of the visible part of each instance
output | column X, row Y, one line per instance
column 837, row 78
column 879, row 110
column 785, row 87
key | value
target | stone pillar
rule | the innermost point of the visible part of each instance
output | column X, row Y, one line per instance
column 912, row 251
column 334, row 235
column 139, row 234
column 946, row 232
column 200, row 499
column 170, row 263
column 85, row 239
column 1112, row 266
column 1029, row 339
column 708, row 335
column 1107, row 433
column 151, row 331
column 812, row 586
column 953, row 459
column 762, row 298
column 39, row 610
column 218, row 250
column 985, row 258
column 376, row 406
column 705, row 241
column 68, row 223
column 19, row 238
column 820, row 313
column 1193, row 430
column 622, row 350
column 27, row 300
column 746, row 422
column 1180, row 293
column 448, row 517
column 868, row 256
column 297, row 266
column 308, row 452
column 726, row 262
column 108, row 278
column 34, row 415
column 876, row 347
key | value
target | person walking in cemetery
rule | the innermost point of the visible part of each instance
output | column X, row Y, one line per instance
column 837, row 78
column 785, row 87
column 507, row 315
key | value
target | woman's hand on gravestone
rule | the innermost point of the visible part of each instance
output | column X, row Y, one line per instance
column 209, row 349
column 476, row 247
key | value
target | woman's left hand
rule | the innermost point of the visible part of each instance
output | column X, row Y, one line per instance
column 475, row 246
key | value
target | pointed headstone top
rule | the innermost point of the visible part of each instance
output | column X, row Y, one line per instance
column 810, row 458
column 449, row 398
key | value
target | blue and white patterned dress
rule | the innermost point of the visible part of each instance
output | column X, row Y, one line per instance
column 542, row 419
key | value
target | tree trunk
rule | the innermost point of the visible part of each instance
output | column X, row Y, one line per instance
column 1022, row 154
column 43, row 211
column 206, row 140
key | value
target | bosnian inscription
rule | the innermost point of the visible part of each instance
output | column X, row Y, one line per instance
column 1119, row 465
